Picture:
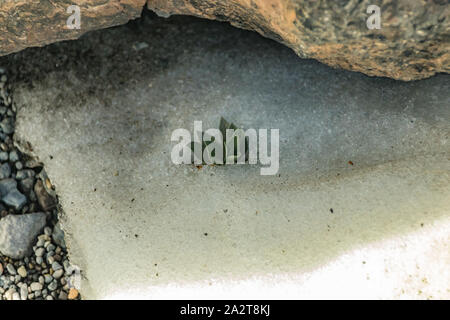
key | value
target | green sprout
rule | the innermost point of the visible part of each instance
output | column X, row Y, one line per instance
column 234, row 154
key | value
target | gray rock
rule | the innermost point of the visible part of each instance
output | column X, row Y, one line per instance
column 58, row 236
column 26, row 185
column 5, row 171
column 15, row 199
column 48, row 278
column 13, row 156
column 6, row 186
column 39, row 252
column 23, row 174
column 56, row 266
column 11, row 269
column 7, row 126
column 4, row 156
column 53, row 285
column 18, row 232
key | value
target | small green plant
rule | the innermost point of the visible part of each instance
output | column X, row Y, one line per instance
column 234, row 154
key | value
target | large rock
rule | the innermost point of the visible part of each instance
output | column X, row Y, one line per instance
column 411, row 44
column 36, row 23
column 17, row 233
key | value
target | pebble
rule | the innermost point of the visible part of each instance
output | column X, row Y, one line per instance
column 56, row 266
column 22, row 272
column 53, row 285
column 11, row 269
column 36, row 286
column 40, row 252
column 58, row 273
column 5, row 171
column 73, row 294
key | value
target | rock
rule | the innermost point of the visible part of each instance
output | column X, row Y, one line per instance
column 62, row 296
column 40, row 252
column 46, row 201
column 58, row 236
column 23, row 174
column 24, row 292
column 18, row 232
column 6, row 186
column 11, row 269
column 22, row 272
column 73, row 294
column 7, row 126
column 409, row 45
column 36, row 286
column 40, row 25
column 13, row 156
column 1, row 269
column 53, row 285
column 56, row 266
column 26, row 185
column 15, row 199
column 5, row 171
column 58, row 274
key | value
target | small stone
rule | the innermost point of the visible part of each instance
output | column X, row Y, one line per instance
column 39, row 260
column 49, row 298
column 6, row 186
column 48, row 231
column 24, row 292
column 15, row 199
column 4, row 156
column 15, row 296
column 13, row 156
column 46, row 201
column 58, row 236
column 26, row 173
column 40, row 252
column 11, row 269
column 48, row 278
column 56, row 266
column 73, row 294
column 5, row 171
column 1, row 269
column 26, row 184
column 19, row 165
column 36, row 286
column 7, row 125
column 62, row 296
column 58, row 273
column 53, row 285
column 22, row 272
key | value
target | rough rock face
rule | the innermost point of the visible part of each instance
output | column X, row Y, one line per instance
column 412, row 43
column 28, row 23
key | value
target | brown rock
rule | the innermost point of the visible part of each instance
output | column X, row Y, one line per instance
column 413, row 42
column 25, row 23
column 73, row 294
column 46, row 201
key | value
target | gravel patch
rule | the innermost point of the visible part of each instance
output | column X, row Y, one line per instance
column 34, row 264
